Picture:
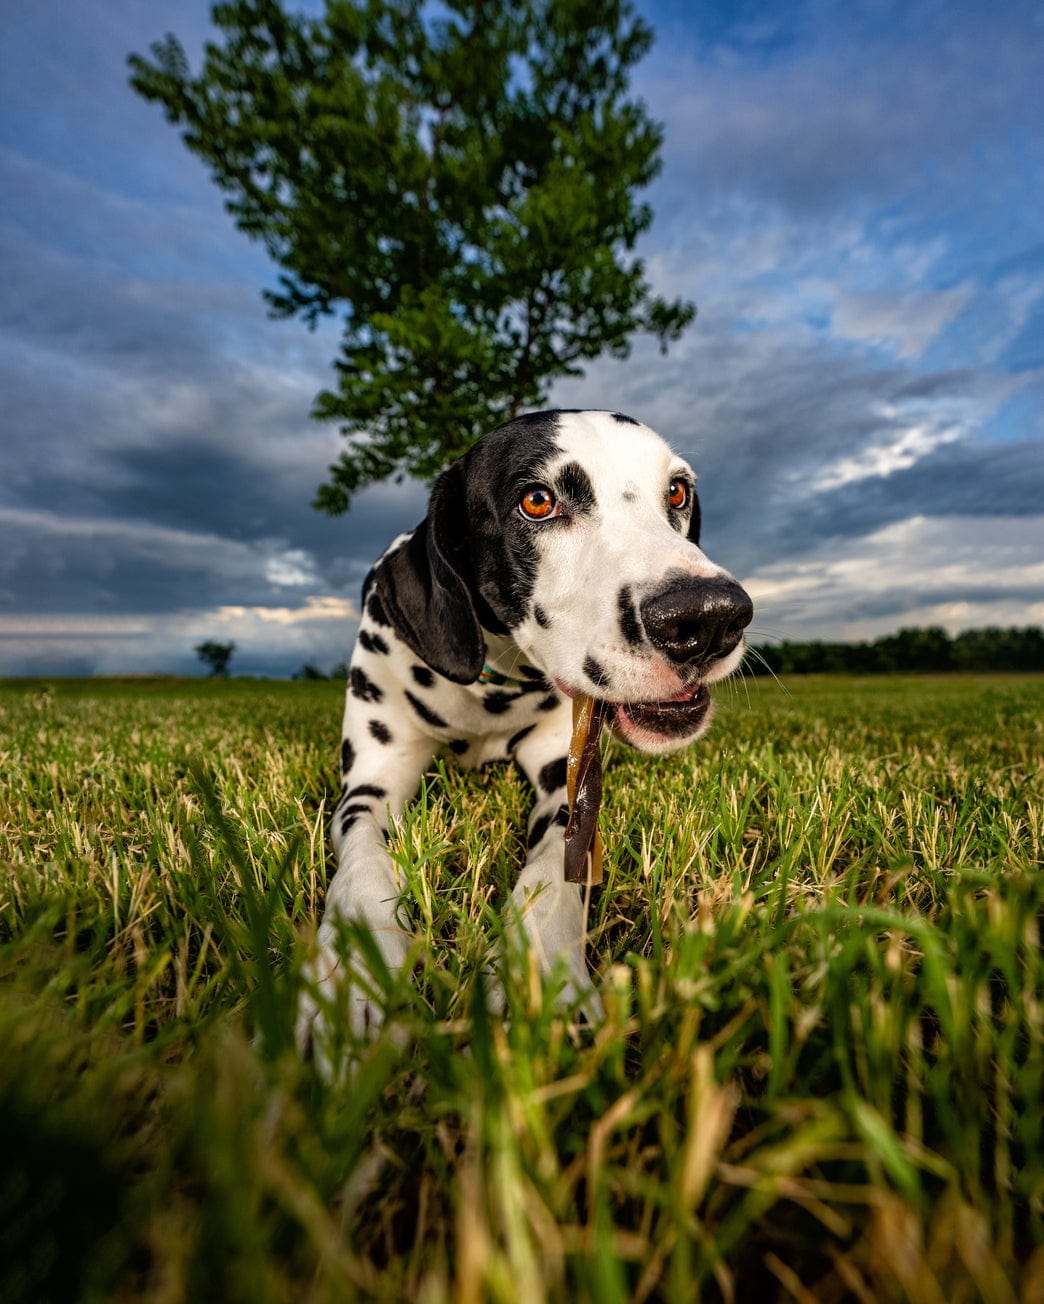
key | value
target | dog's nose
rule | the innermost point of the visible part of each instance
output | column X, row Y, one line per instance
column 697, row 620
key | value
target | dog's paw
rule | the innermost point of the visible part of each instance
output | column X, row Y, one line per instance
column 570, row 989
column 333, row 1015
column 582, row 999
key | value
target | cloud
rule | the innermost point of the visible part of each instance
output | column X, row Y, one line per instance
column 294, row 568
column 269, row 640
column 901, row 451
column 316, row 608
column 906, row 322
column 157, row 450
column 51, row 560
column 55, row 562
column 952, row 571
column 851, row 108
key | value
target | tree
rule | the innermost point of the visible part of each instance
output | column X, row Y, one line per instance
column 216, row 656
column 309, row 671
column 455, row 180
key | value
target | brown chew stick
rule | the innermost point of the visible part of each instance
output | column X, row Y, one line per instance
column 584, row 788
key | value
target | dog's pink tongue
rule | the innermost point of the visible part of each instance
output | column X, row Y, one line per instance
column 584, row 787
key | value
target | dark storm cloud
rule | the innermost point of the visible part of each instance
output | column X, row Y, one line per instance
column 866, row 103
column 52, row 562
column 180, row 410
column 57, row 565
column 95, row 317
column 963, row 479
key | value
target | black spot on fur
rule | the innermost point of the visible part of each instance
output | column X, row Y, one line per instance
column 544, row 822
column 459, row 746
column 540, row 685
column 347, row 756
column 541, row 617
column 553, row 775
column 363, row 687
column 596, row 673
column 350, row 815
column 575, row 484
column 625, row 420
column 515, row 739
column 366, row 790
column 422, row 675
column 538, row 830
column 549, row 703
column 380, row 731
column 531, row 672
column 373, row 642
column 376, row 609
column 425, row 713
column 630, row 625
column 358, row 809
column 497, row 702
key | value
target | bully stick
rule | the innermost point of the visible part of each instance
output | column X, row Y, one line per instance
column 584, row 788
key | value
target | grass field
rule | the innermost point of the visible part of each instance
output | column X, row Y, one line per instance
column 820, row 1077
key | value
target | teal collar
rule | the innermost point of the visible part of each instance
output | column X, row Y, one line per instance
column 491, row 676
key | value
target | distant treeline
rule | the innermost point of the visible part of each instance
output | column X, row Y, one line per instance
column 930, row 649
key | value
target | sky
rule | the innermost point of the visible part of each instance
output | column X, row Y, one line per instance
column 852, row 193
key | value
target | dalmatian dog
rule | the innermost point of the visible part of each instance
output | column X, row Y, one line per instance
column 559, row 556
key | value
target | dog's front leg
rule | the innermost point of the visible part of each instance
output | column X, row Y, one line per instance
column 552, row 910
column 380, row 773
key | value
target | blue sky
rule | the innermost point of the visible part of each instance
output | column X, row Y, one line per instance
column 852, row 194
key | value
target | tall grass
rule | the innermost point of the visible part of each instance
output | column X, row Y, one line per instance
column 819, row 1078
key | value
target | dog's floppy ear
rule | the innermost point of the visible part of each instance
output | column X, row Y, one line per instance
column 427, row 586
column 693, row 532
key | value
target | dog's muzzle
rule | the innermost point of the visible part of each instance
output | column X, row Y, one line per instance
column 696, row 621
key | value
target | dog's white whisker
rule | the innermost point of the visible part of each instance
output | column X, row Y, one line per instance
column 753, row 652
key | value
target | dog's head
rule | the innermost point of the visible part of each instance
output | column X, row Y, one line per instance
column 577, row 533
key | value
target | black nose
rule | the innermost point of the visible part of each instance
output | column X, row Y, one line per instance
column 694, row 621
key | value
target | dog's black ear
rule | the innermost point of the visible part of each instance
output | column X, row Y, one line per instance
column 427, row 586
column 693, row 532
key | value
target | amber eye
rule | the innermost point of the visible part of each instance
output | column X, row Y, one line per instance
column 538, row 503
column 678, row 494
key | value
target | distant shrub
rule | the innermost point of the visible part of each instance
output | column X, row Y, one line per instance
column 929, row 650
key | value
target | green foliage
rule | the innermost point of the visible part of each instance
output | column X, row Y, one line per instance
column 821, row 1074
column 216, row 656
column 457, row 182
column 310, row 671
column 929, row 650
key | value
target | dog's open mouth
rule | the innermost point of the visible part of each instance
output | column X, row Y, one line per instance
column 673, row 717
column 681, row 714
